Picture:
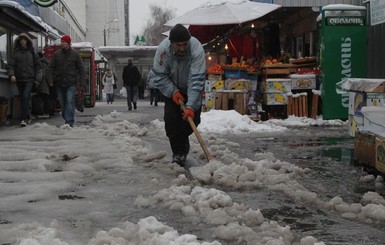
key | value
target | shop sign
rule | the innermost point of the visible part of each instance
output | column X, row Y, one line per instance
column 45, row 3
column 345, row 21
column 377, row 12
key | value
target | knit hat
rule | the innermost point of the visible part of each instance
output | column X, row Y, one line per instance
column 66, row 38
column 179, row 33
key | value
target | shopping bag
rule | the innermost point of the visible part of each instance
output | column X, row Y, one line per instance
column 79, row 99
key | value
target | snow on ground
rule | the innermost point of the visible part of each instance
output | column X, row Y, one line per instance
column 41, row 162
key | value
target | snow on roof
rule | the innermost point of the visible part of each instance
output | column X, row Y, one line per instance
column 339, row 10
column 36, row 19
column 83, row 45
column 20, row 8
column 126, row 48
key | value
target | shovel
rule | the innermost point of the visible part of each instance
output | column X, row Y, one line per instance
column 194, row 128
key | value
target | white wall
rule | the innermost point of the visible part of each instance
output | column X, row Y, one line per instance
column 76, row 17
column 99, row 12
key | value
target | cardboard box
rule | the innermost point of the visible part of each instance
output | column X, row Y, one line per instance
column 276, row 85
column 253, row 85
column 354, row 123
column 305, row 81
column 365, row 148
column 366, row 85
column 275, row 99
column 213, row 85
column 237, row 84
column 374, row 118
column 380, row 153
column 209, row 101
column 358, row 100
column 211, row 76
column 375, row 99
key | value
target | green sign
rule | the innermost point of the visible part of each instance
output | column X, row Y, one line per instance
column 45, row 3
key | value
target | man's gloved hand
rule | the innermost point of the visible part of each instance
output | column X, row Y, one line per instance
column 177, row 96
column 188, row 113
column 83, row 89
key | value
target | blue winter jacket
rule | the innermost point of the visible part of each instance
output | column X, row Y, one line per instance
column 186, row 74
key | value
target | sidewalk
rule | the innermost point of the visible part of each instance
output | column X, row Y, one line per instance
column 144, row 114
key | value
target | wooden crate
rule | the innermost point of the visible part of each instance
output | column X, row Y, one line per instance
column 297, row 105
column 365, row 148
column 274, row 70
column 231, row 100
column 380, row 154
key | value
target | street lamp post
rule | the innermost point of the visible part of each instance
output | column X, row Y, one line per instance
column 105, row 30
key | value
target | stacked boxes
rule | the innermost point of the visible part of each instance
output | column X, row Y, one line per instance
column 275, row 91
column 226, row 95
column 364, row 93
column 211, row 86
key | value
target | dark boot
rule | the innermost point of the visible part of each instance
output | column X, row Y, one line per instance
column 135, row 106
column 179, row 159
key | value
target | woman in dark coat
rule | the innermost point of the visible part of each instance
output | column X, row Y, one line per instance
column 24, row 70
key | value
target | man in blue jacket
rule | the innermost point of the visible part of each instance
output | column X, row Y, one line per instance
column 179, row 68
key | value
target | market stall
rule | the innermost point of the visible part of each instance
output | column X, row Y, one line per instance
column 244, row 59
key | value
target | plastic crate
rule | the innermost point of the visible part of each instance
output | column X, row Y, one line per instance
column 235, row 73
column 253, row 77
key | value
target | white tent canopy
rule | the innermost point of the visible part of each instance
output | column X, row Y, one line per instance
column 224, row 13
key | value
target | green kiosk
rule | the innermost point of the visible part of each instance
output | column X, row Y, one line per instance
column 343, row 54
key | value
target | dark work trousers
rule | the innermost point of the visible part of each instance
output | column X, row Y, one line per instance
column 177, row 129
column 154, row 96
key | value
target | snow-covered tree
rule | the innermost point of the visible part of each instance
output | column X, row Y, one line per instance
column 155, row 25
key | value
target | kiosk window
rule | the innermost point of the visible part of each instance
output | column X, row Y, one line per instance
column 3, row 48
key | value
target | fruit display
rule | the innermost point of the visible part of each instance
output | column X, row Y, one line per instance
column 216, row 69
column 219, row 68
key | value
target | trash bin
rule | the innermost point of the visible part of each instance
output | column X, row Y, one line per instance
column 3, row 110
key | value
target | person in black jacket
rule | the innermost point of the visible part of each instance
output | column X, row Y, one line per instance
column 66, row 70
column 25, row 70
column 131, row 77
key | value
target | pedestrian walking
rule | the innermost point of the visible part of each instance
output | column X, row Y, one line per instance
column 66, row 71
column 25, row 70
column 43, row 89
column 154, row 92
column 179, row 68
column 108, row 85
column 131, row 77
column 142, row 87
